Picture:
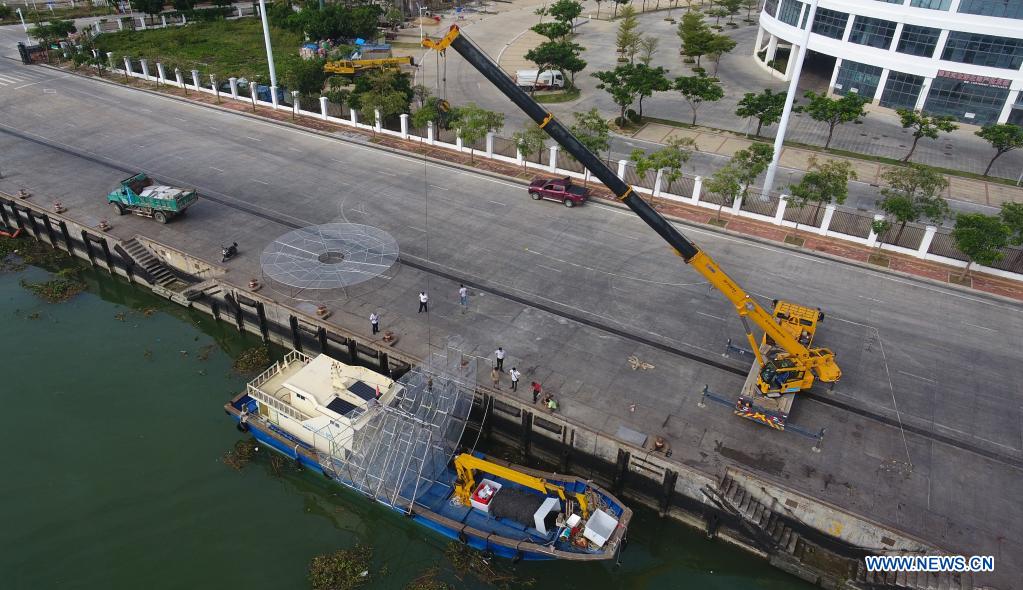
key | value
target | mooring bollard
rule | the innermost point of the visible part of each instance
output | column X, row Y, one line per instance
column 820, row 439
column 104, row 225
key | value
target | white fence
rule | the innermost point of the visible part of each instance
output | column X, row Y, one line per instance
column 922, row 242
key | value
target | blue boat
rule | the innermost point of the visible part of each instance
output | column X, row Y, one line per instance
column 399, row 443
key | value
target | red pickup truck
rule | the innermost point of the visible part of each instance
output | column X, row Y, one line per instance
column 558, row 189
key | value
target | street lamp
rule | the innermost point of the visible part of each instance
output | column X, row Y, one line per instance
column 421, row 9
column 779, row 140
column 266, row 39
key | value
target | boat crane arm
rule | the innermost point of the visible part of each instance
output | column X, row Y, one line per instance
column 466, row 465
column 820, row 360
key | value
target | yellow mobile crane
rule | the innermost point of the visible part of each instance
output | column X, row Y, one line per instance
column 353, row 67
column 787, row 362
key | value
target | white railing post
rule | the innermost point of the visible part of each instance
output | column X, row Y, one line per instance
column 161, row 72
column 403, row 119
column 925, row 243
column 458, row 139
column 120, row 24
column 110, row 59
column 179, row 78
column 697, row 189
column 829, row 212
column 519, row 157
column 195, row 80
column 127, row 65
column 621, row 168
column 323, row 108
column 273, row 97
column 779, row 215
column 145, row 68
column 490, row 144
column 657, row 182
column 142, row 22
column 163, row 20
column 298, row 105
column 737, row 204
column 872, row 237
column 234, row 87
column 378, row 121
column 353, row 116
column 553, row 161
column 239, row 10
column 429, row 133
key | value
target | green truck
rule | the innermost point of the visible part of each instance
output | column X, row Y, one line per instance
column 141, row 196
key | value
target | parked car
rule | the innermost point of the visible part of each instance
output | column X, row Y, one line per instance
column 558, row 189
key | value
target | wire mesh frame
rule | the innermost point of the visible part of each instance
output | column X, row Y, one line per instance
column 400, row 450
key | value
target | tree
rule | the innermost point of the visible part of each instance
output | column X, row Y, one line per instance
column 627, row 38
column 647, row 80
column 731, row 8
column 750, row 6
column 554, row 30
column 695, row 35
column 618, row 83
column 717, row 12
column 924, row 125
column 52, row 31
column 766, row 107
column 565, row 11
column 647, row 49
column 913, row 193
column 724, row 183
column 981, row 238
column 148, row 6
column 474, row 123
column 183, row 5
column 394, row 17
column 592, row 131
column 381, row 89
column 557, row 55
column 434, row 109
column 834, row 111
column 880, row 227
column 305, row 75
column 698, row 89
column 616, row 3
column 1012, row 217
column 669, row 160
column 531, row 140
column 421, row 92
column 718, row 46
column 1004, row 137
column 824, row 182
column 751, row 162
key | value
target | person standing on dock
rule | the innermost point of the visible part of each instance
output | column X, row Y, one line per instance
column 423, row 298
column 374, row 320
column 499, row 355
column 536, row 391
column 463, row 297
column 515, row 378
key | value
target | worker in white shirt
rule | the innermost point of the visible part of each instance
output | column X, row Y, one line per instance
column 463, row 297
column 422, row 302
column 374, row 321
column 515, row 378
column 499, row 355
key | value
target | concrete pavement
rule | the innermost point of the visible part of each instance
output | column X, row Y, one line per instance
column 604, row 288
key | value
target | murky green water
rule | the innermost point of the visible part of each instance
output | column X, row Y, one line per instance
column 112, row 475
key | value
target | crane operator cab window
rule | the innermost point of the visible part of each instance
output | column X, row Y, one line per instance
column 778, row 374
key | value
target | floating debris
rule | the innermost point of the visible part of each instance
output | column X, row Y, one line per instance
column 64, row 286
column 148, row 311
column 428, row 581
column 242, row 453
column 341, row 570
column 466, row 561
column 205, row 352
column 252, row 360
column 34, row 315
column 120, row 316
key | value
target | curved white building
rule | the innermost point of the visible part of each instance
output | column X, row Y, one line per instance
column 951, row 57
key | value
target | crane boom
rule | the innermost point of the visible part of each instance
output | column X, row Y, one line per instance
column 821, row 361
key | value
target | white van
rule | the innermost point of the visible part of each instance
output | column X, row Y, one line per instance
column 548, row 79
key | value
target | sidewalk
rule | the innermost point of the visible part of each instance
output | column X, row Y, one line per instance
column 962, row 189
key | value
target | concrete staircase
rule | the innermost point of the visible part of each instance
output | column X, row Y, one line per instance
column 769, row 530
column 160, row 274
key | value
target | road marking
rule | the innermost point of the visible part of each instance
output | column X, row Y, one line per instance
column 713, row 316
column 294, row 149
column 181, row 119
column 385, row 173
column 416, row 228
column 31, row 84
column 918, row 377
column 549, row 268
column 499, row 203
column 252, row 138
column 260, row 181
column 217, row 169
column 338, row 161
column 440, row 188
column 870, row 299
column 981, row 327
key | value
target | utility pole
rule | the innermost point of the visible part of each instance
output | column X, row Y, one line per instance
column 24, row 27
column 270, row 52
column 779, row 140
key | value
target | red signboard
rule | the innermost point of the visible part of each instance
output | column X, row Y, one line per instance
column 975, row 79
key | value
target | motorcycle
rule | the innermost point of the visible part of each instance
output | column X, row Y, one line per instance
column 229, row 252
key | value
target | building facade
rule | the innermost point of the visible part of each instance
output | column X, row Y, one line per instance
column 950, row 57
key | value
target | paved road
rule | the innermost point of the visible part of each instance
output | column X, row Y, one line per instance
column 944, row 362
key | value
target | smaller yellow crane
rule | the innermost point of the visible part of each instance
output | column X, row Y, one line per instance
column 354, row 67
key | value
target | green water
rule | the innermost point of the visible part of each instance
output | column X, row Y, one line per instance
column 112, row 474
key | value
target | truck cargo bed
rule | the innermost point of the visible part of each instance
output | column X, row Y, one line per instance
column 757, row 407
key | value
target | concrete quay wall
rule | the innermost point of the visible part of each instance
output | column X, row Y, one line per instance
column 812, row 539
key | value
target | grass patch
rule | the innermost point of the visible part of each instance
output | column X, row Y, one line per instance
column 33, row 16
column 563, row 96
column 880, row 260
column 718, row 222
column 794, row 240
column 957, row 278
column 225, row 48
column 341, row 570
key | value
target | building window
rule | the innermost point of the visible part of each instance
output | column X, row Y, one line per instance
column 789, row 12
column 771, row 7
column 918, row 40
column 893, row 1
column 932, row 4
column 983, row 50
column 857, row 78
column 1002, row 8
column 978, row 104
column 901, row 90
column 830, row 23
column 873, row 32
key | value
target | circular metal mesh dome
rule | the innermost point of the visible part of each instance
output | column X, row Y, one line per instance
column 329, row 256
